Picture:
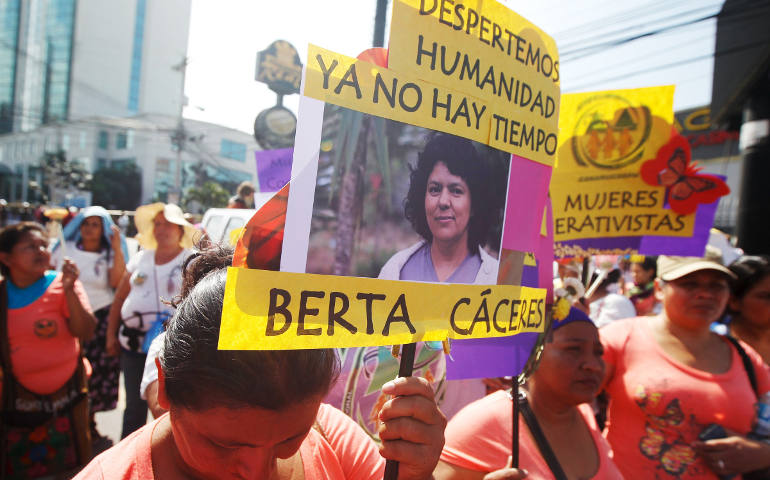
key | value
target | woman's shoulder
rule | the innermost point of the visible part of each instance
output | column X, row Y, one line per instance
column 337, row 441
column 392, row 268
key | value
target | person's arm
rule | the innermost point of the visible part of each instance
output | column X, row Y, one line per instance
column 412, row 427
column 118, row 260
column 447, row 471
column 81, row 322
column 734, row 455
column 113, row 318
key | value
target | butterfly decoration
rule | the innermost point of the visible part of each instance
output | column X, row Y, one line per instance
column 664, row 439
column 686, row 188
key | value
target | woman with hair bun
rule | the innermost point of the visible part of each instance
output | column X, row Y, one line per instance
column 258, row 414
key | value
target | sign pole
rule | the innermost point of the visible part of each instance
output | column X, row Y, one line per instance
column 405, row 369
column 515, row 424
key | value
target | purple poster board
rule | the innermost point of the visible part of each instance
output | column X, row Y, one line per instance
column 273, row 168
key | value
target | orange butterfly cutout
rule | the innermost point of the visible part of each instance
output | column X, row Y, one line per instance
column 685, row 187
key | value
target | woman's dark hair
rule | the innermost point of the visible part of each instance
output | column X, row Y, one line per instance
column 649, row 263
column 198, row 376
column 462, row 159
column 613, row 276
column 10, row 236
column 748, row 270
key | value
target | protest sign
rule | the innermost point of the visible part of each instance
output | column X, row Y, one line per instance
column 273, row 168
column 266, row 310
column 612, row 187
column 363, row 134
column 488, row 51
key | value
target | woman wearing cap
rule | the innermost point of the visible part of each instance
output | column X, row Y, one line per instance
column 669, row 378
column 94, row 243
column 750, row 302
column 556, row 415
column 153, row 277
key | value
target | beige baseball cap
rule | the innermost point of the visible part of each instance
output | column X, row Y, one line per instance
column 672, row 268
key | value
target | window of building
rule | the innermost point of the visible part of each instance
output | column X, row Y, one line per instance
column 101, row 163
column 232, row 150
column 104, row 140
column 65, row 142
column 82, row 141
column 123, row 162
column 121, row 140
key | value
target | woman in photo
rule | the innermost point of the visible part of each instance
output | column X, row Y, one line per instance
column 153, row 278
column 451, row 205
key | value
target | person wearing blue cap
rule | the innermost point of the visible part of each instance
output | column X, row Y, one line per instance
column 558, row 435
column 95, row 244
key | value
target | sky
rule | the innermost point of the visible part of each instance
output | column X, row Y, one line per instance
column 225, row 36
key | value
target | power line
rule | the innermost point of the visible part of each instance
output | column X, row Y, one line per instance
column 673, row 64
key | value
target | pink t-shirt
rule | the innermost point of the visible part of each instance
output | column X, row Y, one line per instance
column 658, row 406
column 44, row 353
column 342, row 452
column 479, row 438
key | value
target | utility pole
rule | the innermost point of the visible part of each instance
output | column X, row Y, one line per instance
column 178, row 138
column 379, row 23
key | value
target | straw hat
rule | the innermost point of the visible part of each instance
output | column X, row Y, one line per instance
column 143, row 221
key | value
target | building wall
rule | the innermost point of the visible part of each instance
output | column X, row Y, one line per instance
column 166, row 31
column 144, row 140
column 75, row 59
column 101, row 64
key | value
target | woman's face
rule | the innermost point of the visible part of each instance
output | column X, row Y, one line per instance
column 30, row 256
column 641, row 276
column 447, row 205
column 696, row 300
column 91, row 229
column 572, row 367
column 244, row 443
column 167, row 234
column 754, row 307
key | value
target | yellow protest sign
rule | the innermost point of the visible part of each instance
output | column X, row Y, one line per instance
column 368, row 88
column 596, row 188
column 483, row 48
column 267, row 310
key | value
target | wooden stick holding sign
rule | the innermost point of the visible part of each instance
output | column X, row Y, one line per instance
column 405, row 369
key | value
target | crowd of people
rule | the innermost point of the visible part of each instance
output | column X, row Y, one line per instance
column 652, row 367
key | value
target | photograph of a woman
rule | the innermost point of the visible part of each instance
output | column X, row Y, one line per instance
column 450, row 205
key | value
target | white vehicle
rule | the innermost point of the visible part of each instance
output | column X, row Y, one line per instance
column 219, row 223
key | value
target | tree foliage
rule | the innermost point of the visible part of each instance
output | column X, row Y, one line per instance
column 208, row 195
column 118, row 188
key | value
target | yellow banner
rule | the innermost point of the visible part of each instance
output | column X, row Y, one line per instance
column 604, row 139
column 483, row 48
column 368, row 88
column 267, row 310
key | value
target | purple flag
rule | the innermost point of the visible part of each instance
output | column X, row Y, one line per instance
column 273, row 168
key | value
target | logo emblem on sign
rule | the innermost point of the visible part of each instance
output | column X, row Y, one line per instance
column 610, row 132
